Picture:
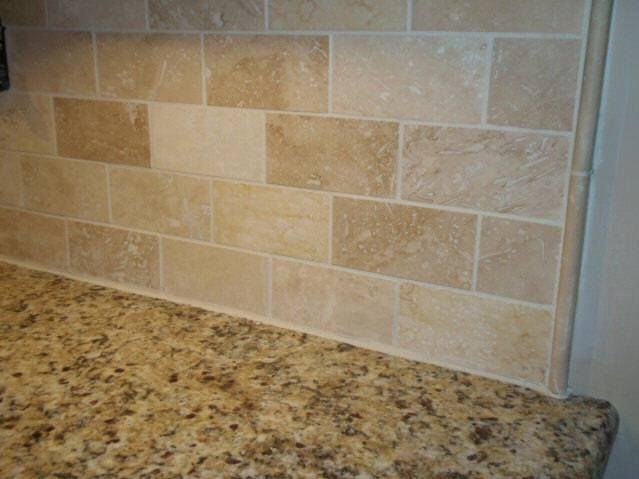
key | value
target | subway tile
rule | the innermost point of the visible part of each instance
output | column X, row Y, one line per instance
column 406, row 241
column 114, row 254
column 429, row 78
column 266, row 71
column 534, row 83
column 10, row 179
column 334, row 154
column 65, row 187
column 114, row 132
column 23, row 12
column 271, row 219
column 333, row 301
column 165, row 203
column 476, row 333
column 26, row 123
column 210, row 141
column 206, row 14
column 97, row 14
column 496, row 171
column 157, row 67
column 518, row 260
column 215, row 275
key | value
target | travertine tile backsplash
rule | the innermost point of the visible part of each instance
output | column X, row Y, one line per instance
column 392, row 172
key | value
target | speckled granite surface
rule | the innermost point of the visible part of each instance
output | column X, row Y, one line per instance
column 99, row 383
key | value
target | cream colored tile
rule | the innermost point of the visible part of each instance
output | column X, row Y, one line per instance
column 52, row 62
column 26, row 123
column 270, row 219
column 218, row 142
column 108, row 131
column 333, row 154
column 10, row 179
column 65, row 187
column 333, row 301
column 216, row 275
column 534, row 83
column 266, row 71
column 158, row 67
column 206, row 14
column 481, row 334
column 518, row 260
column 162, row 202
column 23, row 12
column 430, row 78
column 114, row 254
column 405, row 241
column 97, row 14
column 502, row 172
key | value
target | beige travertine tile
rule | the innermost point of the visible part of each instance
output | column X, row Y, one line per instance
column 518, row 260
column 159, row 67
column 109, row 131
column 114, row 254
column 430, row 78
column 26, row 123
column 377, row 15
column 335, row 154
column 503, row 172
column 23, row 12
column 97, row 14
column 10, row 179
column 265, row 71
column 162, row 202
column 206, row 14
column 533, row 83
column 209, row 141
column 270, row 219
column 476, row 333
column 216, row 275
column 333, row 301
column 65, row 187
column 544, row 16
column 406, row 241
column 32, row 237
column 52, row 62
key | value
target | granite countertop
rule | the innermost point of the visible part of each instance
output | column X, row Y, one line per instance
column 99, row 383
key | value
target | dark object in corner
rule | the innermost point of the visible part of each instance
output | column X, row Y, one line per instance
column 4, row 66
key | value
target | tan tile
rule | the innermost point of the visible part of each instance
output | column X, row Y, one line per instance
column 476, row 333
column 206, row 14
column 266, row 71
column 544, row 16
column 376, row 15
column 538, row 92
column 209, row 141
column 10, row 179
column 274, row 220
column 65, row 187
column 159, row 67
column 162, row 202
column 97, row 14
column 518, row 260
column 26, row 123
column 52, row 62
column 405, row 241
column 332, row 154
column 114, row 254
column 333, row 301
column 108, row 131
column 430, row 78
column 32, row 237
column 216, row 275
column 503, row 172
column 23, row 12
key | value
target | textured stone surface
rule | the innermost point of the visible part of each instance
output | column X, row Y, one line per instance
column 206, row 14
column 10, row 179
column 23, row 12
column 97, row 14
column 26, row 123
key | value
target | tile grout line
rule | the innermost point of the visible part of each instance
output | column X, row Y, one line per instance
column 266, row 15
column 67, row 244
column 109, row 200
column 400, row 159
column 96, row 67
column 330, row 73
column 264, row 158
column 477, row 250
column 212, row 225
column 161, row 260
column 490, row 47
column 269, row 286
column 409, row 15
column 203, row 71
column 147, row 20
column 330, row 229
column 54, row 126
column 396, row 313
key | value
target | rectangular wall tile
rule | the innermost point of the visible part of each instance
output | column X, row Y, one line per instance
column 216, row 275
column 497, row 171
column 333, row 301
column 209, row 141
column 405, row 241
column 206, row 14
column 26, row 123
column 158, row 67
column 65, row 187
column 97, row 14
column 166, row 203
column 470, row 332
column 430, row 78
column 266, row 71
column 52, row 62
column 115, row 254
column 10, row 179
column 274, row 220
column 23, row 12
column 108, row 131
